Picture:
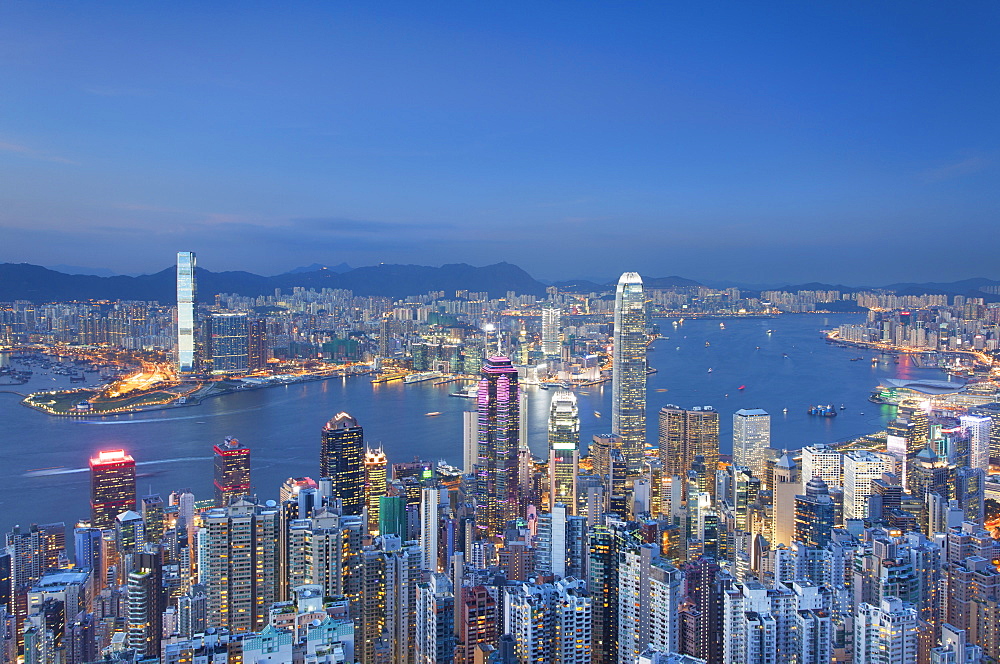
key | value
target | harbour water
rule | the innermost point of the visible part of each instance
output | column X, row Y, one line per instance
column 46, row 476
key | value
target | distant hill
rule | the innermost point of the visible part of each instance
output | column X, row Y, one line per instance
column 580, row 286
column 667, row 282
column 76, row 269
column 339, row 269
column 22, row 281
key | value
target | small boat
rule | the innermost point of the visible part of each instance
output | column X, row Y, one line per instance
column 710, row 370
column 678, row 348
column 843, row 407
column 433, row 414
column 597, row 413
column 785, row 411
column 707, row 344
column 770, row 331
column 661, row 389
column 742, row 387
column 722, row 326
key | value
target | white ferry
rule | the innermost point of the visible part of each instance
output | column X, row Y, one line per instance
column 422, row 376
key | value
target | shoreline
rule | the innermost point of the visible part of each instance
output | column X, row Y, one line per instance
column 194, row 400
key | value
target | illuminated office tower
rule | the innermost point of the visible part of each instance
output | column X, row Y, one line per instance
column 112, row 487
column 814, row 515
column 151, row 509
column 564, row 449
column 861, row 468
column 628, row 373
column 87, row 547
column 752, row 440
column 256, row 344
column 550, row 332
column 187, row 293
column 823, row 462
column 385, row 341
column 978, row 428
column 885, row 633
column 375, row 485
column 992, row 411
column 227, row 348
column 232, row 471
column 342, row 460
column 498, row 404
column 239, row 563
column 685, row 434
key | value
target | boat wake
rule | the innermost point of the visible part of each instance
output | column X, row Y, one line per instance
column 202, row 416
column 43, row 472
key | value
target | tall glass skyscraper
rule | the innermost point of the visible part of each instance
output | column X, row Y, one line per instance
column 227, row 344
column 752, row 440
column 551, row 317
column 498, row 405
column 342, row 459
column 186, row 304
column 564, row 449
column 628, row 377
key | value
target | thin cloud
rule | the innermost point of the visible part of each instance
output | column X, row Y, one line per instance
column 32, row 153
column 957, row 169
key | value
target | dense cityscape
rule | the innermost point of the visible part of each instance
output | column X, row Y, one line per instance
column 626, row 548
column 499, row 333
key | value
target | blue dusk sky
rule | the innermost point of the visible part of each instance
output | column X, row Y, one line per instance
column 848, row 142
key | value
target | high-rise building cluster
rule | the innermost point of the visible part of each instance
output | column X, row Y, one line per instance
column 644, row 546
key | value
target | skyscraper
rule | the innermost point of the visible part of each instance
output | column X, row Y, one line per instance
column 232, row 471
column 885, row 633
column 498, row 404
column 239, row 563
column 186, row 304
column 685, row 434
column 375, row 485
column 342, row 460
column 814, row 514
column 550, row 332
column 227, row 343
column 550, row 622
column 861, row 467
column 564, row 449
column 752, row 440
column 256, row 344
column 112, row 487
column 628, row 376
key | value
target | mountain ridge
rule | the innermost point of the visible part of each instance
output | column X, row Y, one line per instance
column 24, row 281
